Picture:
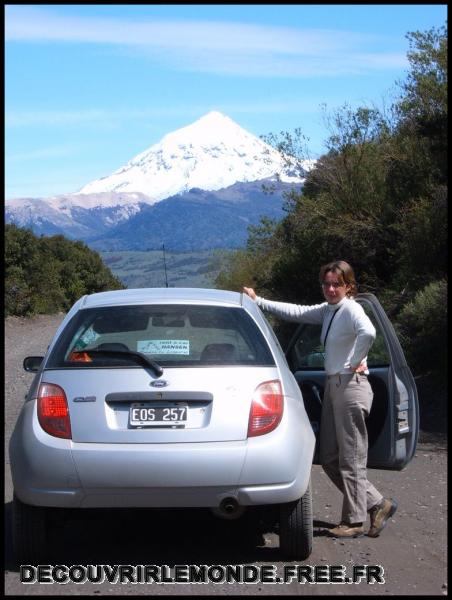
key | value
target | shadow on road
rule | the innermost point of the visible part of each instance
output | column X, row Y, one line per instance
column 157, row 536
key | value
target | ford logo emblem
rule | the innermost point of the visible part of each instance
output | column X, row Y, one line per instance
column 159, row 383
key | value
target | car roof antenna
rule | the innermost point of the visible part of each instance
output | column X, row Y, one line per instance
column 164, row 264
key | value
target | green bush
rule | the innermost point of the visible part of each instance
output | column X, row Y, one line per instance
column 422, row 327
column 48, row 274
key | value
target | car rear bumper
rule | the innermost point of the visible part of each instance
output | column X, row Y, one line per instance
column 48, row 471
column 169, row 496
column 208, row 497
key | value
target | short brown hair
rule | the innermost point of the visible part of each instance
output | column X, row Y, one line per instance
column 345, row 273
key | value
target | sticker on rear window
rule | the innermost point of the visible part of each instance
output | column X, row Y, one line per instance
column 164, row 346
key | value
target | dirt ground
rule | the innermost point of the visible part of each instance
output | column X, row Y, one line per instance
column 411, row 552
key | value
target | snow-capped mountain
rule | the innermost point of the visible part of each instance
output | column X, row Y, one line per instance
column 210, row 154
column 213, row 154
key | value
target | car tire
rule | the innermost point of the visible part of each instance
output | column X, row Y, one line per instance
column 30, row 530
column 296, row 527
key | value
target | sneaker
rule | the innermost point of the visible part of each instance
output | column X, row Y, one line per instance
column 380, row 514
column 347, row 530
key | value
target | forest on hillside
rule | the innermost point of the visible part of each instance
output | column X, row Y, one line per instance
column 377, row 199
column 45, row 275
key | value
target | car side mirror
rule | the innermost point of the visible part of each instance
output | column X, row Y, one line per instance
column 32, row 363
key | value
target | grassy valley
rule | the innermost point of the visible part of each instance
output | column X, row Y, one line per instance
column 147, row 269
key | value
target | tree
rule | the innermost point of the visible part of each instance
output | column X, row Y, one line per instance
column 418, row 170
column 424, row 99
column 48, row 274
column 377, row 199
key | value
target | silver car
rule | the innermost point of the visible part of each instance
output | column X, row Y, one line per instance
column 162, row 398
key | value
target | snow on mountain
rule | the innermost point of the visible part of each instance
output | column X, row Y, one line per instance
column 212, row 153
column 75, row 218
column 63, row 204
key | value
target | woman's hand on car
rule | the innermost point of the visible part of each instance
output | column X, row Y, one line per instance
column 250, row 292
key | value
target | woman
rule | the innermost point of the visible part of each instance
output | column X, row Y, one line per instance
column 347, row 334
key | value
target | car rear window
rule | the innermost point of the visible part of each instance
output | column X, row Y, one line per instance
column 171, row 335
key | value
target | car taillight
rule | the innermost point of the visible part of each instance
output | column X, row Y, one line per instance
column 266, row 408
column 53, row 411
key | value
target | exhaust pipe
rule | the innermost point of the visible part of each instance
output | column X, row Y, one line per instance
column 229, row 508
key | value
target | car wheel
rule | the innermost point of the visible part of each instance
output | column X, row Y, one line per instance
column 296, row 527
column 30, row 529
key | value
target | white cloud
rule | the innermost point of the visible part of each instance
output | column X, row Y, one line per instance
column 226, row 48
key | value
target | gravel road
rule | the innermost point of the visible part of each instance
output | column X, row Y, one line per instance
column 412, row 550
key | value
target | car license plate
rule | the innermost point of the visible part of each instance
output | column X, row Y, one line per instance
column 146, row 415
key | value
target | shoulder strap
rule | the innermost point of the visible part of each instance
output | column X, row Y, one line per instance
column 329, row 325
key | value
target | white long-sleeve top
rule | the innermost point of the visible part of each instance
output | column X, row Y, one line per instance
column 349, row 338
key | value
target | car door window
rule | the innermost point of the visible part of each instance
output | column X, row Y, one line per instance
column 378, row 354
column 308, row 353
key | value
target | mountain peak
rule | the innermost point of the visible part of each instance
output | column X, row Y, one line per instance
column 210, row 127
column 214, row 115
column 211, row 153
column 213, row 118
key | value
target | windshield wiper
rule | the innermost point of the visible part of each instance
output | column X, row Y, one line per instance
column 137, row 356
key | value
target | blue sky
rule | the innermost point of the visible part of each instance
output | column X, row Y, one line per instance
column 88, row 87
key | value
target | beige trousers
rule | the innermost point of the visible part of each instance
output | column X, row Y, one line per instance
column 343, row 443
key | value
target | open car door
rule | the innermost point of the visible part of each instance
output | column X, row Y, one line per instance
column 393, row 423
